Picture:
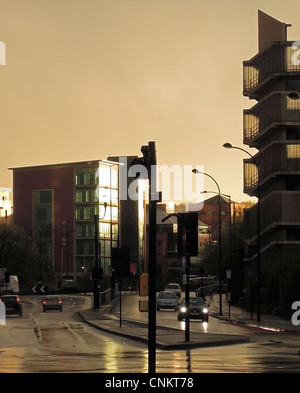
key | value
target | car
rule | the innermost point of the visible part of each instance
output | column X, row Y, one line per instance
column 174, row 287
column 52, row 302
column 167, row 299
column 13, row 304
column 198, row 309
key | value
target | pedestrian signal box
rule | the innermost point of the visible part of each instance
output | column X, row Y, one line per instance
column 143, row 284
column 143, row 305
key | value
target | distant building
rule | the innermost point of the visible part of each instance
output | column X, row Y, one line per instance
column 6, row 205
column 56, row 204
column 169, row 263
column 132, row 214
column 209, row 214
column 272, row 126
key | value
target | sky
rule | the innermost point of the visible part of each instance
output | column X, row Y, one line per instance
column 84, row 79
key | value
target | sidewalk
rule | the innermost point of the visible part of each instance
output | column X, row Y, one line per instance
column 172, row 338
column 166, row 338
column 239, row 316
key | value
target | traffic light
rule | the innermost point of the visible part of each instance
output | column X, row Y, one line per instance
column 187, row 235
column 120, row 261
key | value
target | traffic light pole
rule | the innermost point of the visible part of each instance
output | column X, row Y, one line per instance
column 187, row 297
column 152, row 289
column 187, row 246
column 149, row 162
column 152, row 265
column 96, row 284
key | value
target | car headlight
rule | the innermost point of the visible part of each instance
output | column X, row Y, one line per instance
column 183, row 309
column 205, row 310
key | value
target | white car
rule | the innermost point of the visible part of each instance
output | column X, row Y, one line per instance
column 167, row 299
column 174, row 287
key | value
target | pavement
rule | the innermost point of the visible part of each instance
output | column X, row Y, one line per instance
column 172, row 338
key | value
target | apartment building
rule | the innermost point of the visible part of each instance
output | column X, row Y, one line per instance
column 6, row 205
column 272, row 126
column 56, row 204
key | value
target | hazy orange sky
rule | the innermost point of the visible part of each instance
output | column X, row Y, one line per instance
column 87, row 78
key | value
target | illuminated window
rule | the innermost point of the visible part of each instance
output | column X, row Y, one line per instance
column 251, row 125
column 107, row 194
column 86, row 176
column 293, row 151
column 104, row 229
column 250, row 175
column 292, row 104
column 251, row 77
column 104, row 175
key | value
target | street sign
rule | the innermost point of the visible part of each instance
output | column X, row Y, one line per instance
column 38, row 289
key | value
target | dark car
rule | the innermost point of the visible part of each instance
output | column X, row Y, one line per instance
column 198, row 309
column 52, row 302
column 13, row 304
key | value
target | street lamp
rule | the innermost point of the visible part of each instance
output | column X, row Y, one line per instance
column 294, row 95
column 229, row 146
column 196, row 171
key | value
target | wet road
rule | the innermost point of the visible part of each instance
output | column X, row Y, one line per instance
column 61, row 342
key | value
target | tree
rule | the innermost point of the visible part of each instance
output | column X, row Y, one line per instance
column 17, row 255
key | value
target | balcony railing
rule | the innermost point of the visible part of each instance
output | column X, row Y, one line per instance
column 278, row 209
column 280, row 158
column 279, row 59
column 278, row 109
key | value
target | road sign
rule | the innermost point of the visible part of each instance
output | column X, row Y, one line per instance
column 38, row 289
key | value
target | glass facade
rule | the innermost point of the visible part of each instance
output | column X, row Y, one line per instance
column 96, row 193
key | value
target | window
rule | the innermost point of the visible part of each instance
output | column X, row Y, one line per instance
column 85, row 176
column 293, row 151
column 86, row 195
column 43, row 221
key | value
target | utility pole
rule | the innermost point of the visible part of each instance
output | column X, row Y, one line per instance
column 152, row 260
column 149, row 162
column 95, row 275
column 187, row 246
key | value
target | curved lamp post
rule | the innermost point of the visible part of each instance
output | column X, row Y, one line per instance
column 196, row 171
column 229, row 146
